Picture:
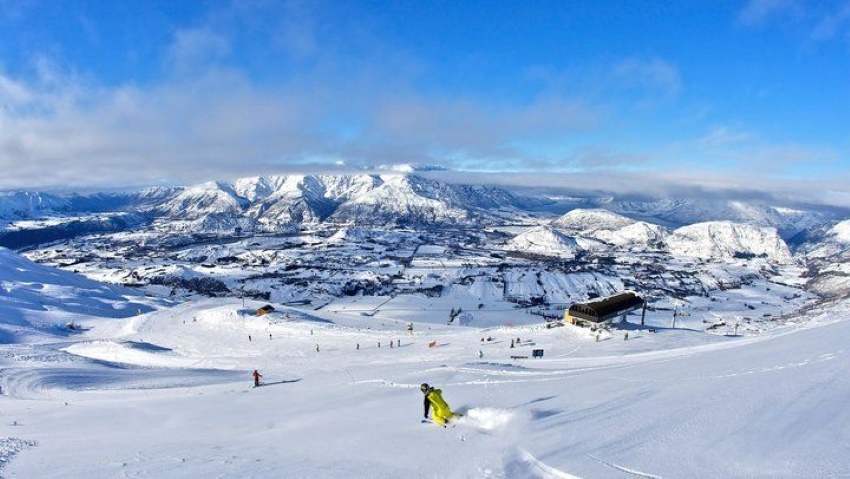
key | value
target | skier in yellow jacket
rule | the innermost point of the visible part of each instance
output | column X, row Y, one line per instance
column 434, row 397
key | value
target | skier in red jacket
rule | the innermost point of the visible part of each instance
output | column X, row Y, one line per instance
column 257, row 377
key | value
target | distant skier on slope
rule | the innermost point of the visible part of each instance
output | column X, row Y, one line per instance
column 257, row 377
column 434, row 397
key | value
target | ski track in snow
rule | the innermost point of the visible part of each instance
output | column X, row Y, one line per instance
column 515, row 375
column 529, row 466
column 36, row 383
column 508, row 373
column 808, row 362
column 624, row 469
column 745, row 372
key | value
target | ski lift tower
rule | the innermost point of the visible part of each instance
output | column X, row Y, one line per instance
column 676, row 304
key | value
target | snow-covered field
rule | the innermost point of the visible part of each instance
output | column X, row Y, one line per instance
column 166, row 392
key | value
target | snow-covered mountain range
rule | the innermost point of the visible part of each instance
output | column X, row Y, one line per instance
column 701, row 228
column 272, row 203
column 597, row 230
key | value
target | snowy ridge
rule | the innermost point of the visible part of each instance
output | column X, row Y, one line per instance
column 27, row 288
column 610, row 228
column 827, row 253
column 400, row 197
column 199, row 201
column 841, row 232
column 828, row 241
column 728, row 240
column 278, row 201
column 300, row 199
column 26, row 205
column 679, row 212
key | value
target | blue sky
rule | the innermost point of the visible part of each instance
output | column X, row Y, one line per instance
column 706, row 95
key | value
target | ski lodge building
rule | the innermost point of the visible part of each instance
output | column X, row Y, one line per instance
column 612, row 309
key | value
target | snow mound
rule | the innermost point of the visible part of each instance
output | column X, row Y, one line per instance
column 129, row 353
column 640, row 234
column 344, row 235
column 726, row 240
column 590, row 221
column 545, row 241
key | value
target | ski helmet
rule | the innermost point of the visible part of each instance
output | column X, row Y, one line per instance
column 424, row 387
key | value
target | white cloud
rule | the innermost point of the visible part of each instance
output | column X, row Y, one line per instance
column 726, row 135
column 833, row 23
column 14, row 9
column 654, row 75
column 757, row 12
column 196, row 48
column 463, row 125
column 13, row 94
column 219, row 124
column 297, row 31
column 782, row 158
column 819, row 21
column 682, row 182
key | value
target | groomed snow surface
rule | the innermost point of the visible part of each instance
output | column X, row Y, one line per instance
column 168, row 394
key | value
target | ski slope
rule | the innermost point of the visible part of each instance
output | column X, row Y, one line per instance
column 167, row 394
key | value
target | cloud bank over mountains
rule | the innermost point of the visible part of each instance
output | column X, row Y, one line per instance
column 286, row 87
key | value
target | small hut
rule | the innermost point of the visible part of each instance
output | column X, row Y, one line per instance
column 265, row 310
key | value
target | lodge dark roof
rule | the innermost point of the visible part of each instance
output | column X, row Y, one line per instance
column 607, row 308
